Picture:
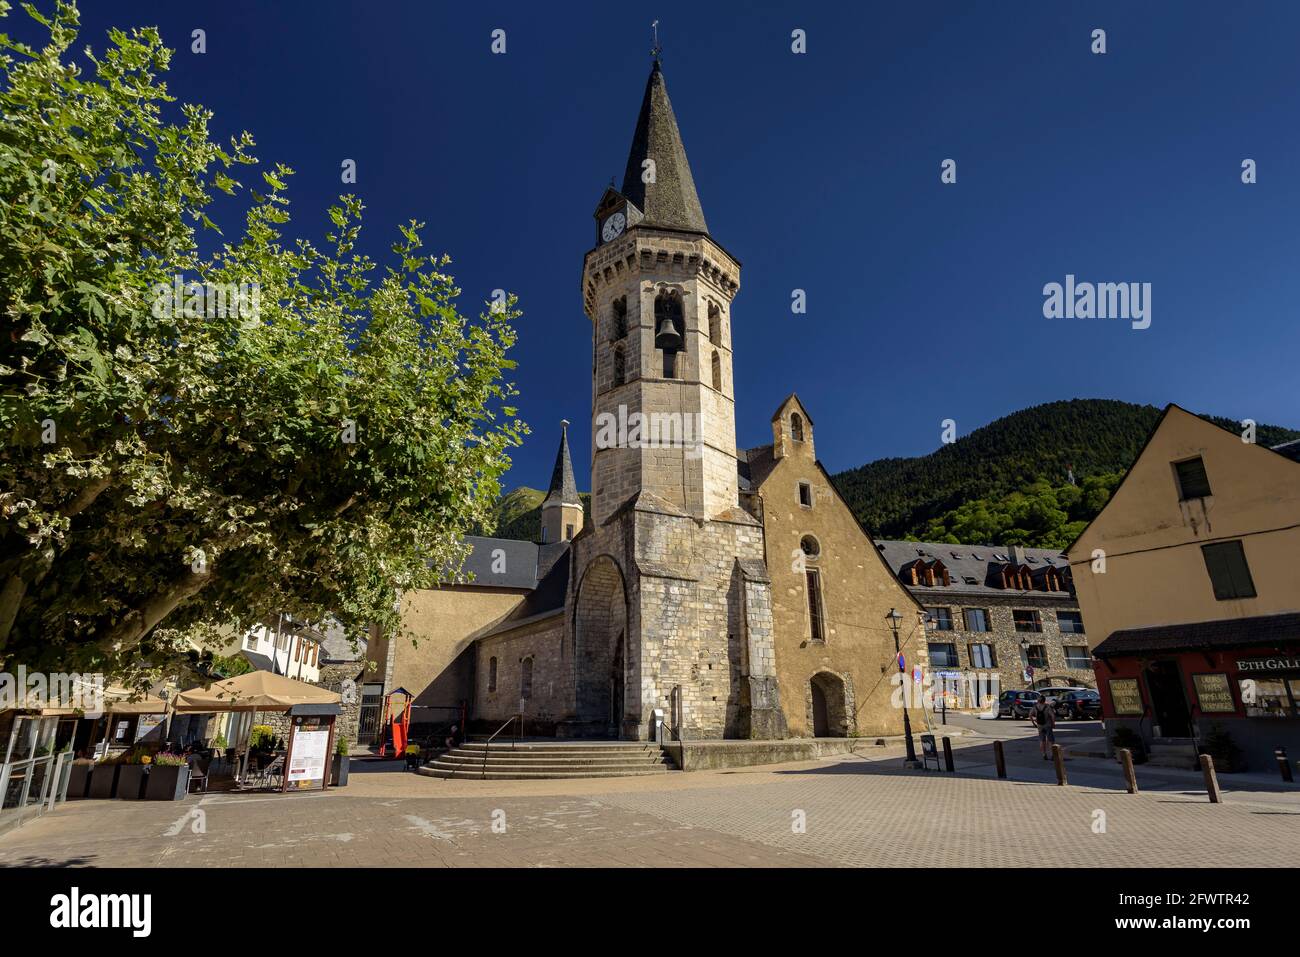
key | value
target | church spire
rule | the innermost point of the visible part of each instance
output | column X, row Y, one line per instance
column 670, row 201
column 562, row 509
column 564, row 489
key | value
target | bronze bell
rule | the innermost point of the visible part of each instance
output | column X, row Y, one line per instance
column 666, row 336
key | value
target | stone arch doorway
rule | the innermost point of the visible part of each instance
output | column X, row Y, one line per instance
column 828, row 706
column 599, row 650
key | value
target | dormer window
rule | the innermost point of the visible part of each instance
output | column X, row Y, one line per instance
column 1192, row 480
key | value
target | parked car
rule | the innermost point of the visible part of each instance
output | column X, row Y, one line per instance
column 1055, row 694
column 1083, row 705
column 1016, row 704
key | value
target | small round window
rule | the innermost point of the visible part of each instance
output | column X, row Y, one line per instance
column 810, row 546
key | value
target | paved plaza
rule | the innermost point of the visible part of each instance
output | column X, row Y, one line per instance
column 852, row 810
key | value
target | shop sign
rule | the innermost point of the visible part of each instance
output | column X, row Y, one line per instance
column 1126, row 696
column 1213, row 693
column 1277, row 663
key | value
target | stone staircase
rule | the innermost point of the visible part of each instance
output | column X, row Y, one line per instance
column 526, row 760
column 1173, row 753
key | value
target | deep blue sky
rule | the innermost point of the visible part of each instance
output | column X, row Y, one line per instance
column 818, row 171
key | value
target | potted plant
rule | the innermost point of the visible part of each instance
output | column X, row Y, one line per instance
column 340, row 763
column 169, row 780
column 132, row 775
column 1126, row 737
column 412, row 757
column 79, row 779
column 103, row 779
column 1219, row 745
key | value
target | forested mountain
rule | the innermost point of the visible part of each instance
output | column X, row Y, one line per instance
column 519, row 514
column 1006, row 483
column 1029, row 454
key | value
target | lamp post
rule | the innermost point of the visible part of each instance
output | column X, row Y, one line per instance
column 894, row 619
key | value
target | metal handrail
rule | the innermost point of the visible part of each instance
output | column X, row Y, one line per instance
column 488, row 743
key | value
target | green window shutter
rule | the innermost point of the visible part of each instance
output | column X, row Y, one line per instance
column 1192, row 480
column 1229, row 573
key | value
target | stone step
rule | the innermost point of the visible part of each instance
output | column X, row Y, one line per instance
column 476, row 754
column 549, row 759
column 560, row 748
column 520, row 775
column 553, row 765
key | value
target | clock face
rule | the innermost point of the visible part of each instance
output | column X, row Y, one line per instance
column 613, row 227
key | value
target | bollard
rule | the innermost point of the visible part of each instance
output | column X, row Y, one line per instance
column 1000, row 759
column 1211, row 779
column 1130, row 776
column 1058, row 757
column 1283, row 765
column 947, row 755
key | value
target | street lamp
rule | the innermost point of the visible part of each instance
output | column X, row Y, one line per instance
column 895, row 619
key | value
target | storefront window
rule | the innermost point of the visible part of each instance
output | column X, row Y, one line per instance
column 1213, row 693
column 1266, row 697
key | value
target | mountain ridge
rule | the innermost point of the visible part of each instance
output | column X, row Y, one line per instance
column 1008, row 479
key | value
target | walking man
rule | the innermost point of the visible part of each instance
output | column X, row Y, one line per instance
column 1044, row 717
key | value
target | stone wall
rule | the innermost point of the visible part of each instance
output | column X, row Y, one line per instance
column 550, row 697
column 1010, row 658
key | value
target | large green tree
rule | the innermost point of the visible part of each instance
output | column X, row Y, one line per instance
column 173, row 467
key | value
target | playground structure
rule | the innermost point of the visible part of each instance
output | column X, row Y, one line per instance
column 396, row 728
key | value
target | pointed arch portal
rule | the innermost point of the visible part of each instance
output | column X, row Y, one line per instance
column 600, row 654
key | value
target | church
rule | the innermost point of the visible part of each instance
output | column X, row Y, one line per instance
column 729, row 593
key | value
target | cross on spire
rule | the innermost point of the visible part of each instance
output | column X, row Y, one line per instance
column 656, row 49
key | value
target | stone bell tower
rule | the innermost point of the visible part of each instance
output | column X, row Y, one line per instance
column 658, row 291
column 669, row 591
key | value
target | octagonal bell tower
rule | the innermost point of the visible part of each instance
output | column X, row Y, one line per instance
column 658, row 291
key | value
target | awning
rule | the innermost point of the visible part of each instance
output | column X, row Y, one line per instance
column 255, row 691
column 1202, row 636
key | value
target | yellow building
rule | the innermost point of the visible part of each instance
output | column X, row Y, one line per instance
column 1189, row 583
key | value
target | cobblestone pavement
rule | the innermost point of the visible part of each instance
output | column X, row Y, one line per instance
column 856, row 810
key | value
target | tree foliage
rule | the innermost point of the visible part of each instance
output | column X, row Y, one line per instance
column 168, row 473
column 1040, row 515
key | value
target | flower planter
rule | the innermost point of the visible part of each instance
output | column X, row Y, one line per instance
column 79, row 780
column 339, row 769
column 168, row 783
column 130, row 781
column 103, row 781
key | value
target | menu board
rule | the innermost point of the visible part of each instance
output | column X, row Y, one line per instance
column 1126, row 696
column 307, row 763
column 1213, row 693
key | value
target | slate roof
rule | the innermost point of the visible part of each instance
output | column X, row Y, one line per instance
column 753, row 466
column 1290, row 449
column 1203, row 635
column 519, row 570
column 971, row 567
column 670, row 201
column 564, row 488
column 335, row 645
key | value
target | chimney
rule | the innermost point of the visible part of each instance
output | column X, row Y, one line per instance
column 1016, row 553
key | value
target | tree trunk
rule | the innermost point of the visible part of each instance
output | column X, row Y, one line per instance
column 138, row 622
